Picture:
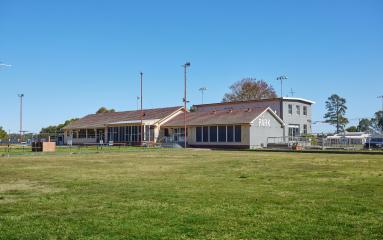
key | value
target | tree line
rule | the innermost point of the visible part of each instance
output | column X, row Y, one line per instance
column 336, row 116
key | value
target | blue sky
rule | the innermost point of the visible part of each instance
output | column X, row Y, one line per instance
column 71, row 57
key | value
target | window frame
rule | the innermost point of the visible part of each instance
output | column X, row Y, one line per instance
column 290, row 109
column 236, row 138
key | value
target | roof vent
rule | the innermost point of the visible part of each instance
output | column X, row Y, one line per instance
column 213, row 112
column 230, row 111
column 248, row 110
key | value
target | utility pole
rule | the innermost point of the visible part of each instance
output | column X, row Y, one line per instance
column 381, row 97
column 185, row 66
column 142, row 111
column 21, row 115
column 282, row 78
column 202, row 89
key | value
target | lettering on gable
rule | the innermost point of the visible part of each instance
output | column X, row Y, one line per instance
column 264, row 122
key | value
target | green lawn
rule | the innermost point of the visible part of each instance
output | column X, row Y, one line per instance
column 192, row 194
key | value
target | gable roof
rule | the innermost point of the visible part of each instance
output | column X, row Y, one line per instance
column 220, row 117
column 102, row 119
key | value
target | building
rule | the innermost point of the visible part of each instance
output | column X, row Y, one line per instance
column 295, row 112
column 231, row 128
column 245, row 124
column 350, row 138
column 119, row 127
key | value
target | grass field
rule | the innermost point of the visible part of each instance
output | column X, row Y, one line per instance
column 193, row 194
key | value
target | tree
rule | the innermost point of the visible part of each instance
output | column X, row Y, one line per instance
column 58, row 128
column 104, row 110
column 377, row 121
column 352, row 129
column 3, row 134
column 364, row 125
column 336, row 111
column 249, row 89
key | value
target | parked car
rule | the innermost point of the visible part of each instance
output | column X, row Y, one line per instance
column 375, row 143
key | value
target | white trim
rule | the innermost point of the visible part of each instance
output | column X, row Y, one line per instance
column 272, row 113
column 298, row 99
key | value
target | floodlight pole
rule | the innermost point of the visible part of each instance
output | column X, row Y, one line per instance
column 142, row 112
column 202, row 89
column 21, row 115
column 185, row 66
column 282, row 78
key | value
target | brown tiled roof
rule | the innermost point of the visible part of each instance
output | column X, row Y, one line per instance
column 256, row 101
column 101, row 119
column 242, row 116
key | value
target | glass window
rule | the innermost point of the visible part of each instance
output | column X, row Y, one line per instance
column 290, row 109
column 298, row 110
column 91, row 133
column 205, row 134
column 166, row 132
column 134, row 133
column 82, row 133
column 222, row 134
column 238, row 133
column 199, row 134
column 110, row 138
column 74, row 134
column 121, row 134
column 230, row 134
column 213, row 134
column 305, row 110
column 304, row 128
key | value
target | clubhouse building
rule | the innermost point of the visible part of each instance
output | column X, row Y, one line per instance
column 244, row 124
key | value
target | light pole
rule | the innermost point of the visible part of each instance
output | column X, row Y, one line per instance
column 21, row 115
column 282, row 78
column 185, row 66
column 142, row 112
column 202, row 89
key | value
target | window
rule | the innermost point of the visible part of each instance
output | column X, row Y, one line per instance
column 166, row 133
column 230, row 134
column 213, row 134
column 304, row 128
column 305, row 110
column 238, row 133
column 74, row 134
column 121, row 136
column 179, row 134
column 205, row 134
column 115, row 134
column 91, row 133
column 290, row 109
column 82, row 133
column 198, row 134
column 298, row 110
column 222, row 134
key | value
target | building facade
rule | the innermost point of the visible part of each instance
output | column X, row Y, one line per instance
column 130, row 127
column 295, row 112
column 240, row 128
